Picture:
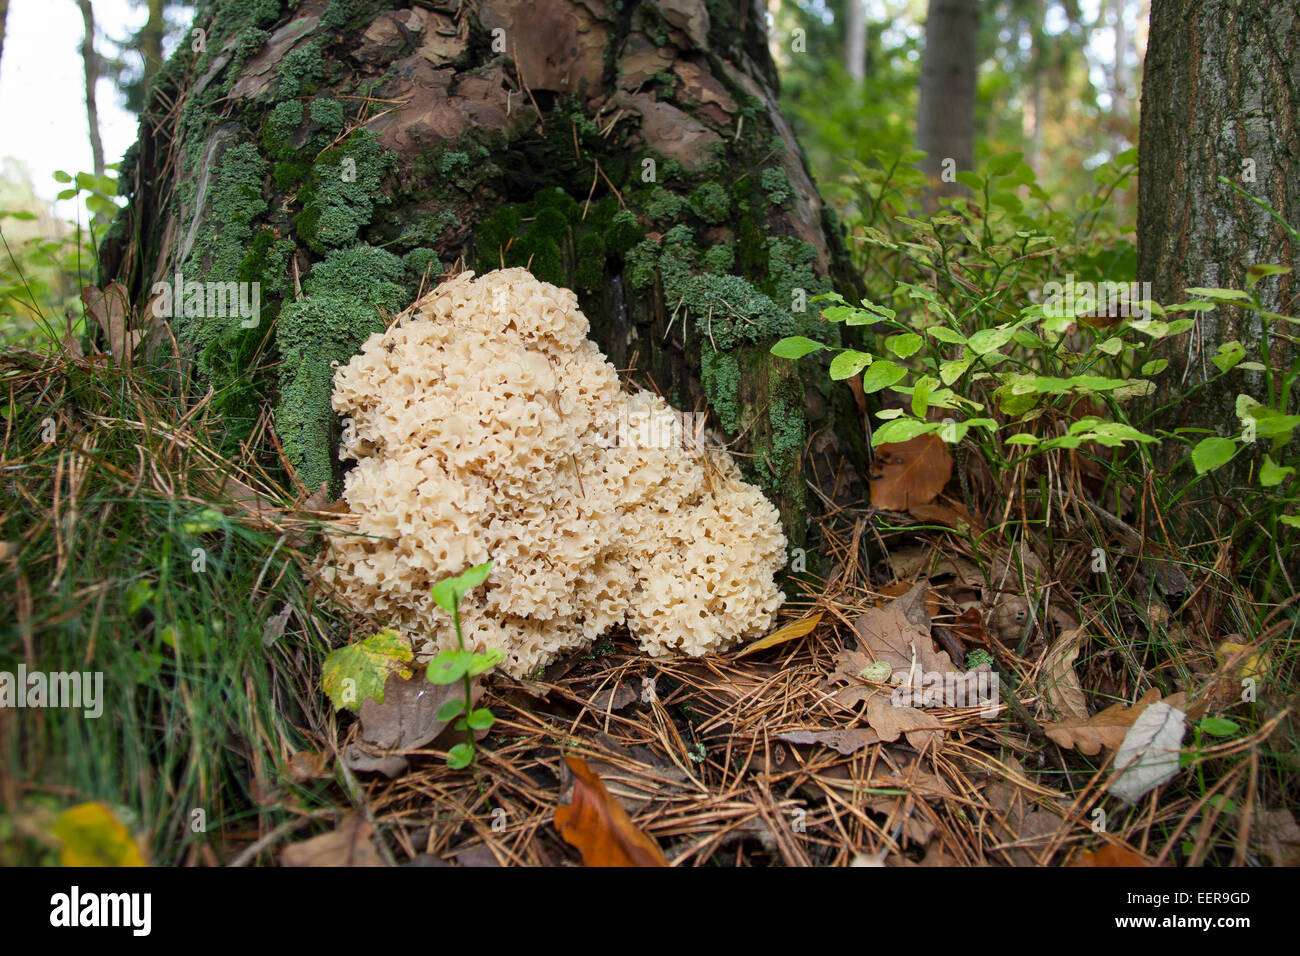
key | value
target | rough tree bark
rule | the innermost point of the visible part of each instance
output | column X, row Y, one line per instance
column 945, row 113
column 1220, row 96
column 346, row 153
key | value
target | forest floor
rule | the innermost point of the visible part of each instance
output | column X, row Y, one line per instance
column 1032, row 670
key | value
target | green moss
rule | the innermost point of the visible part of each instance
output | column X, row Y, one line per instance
column 344, row 294
column 279, row 126
column 720, row 376
column 710, row 202
column 327, row 113
column 790, row 267
column 235, row 201
column 590, row 269
column 339, row 200
column 777, row 185
column 418, row 261
column 720, row 258
column 301, row 69
column 623, row 233
column 287, row 176
column 664, row 205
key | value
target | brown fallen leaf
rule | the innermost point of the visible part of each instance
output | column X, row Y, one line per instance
column 846, row 741
column 789, row 632
column 888, row 635
column 406, row 720
column 307, row 765
column 1277, row 836
column 348, row 845
column 910, row 473
column 920, row 727
column 110, row 308
column 1106, row 728
column 1058, row 679
column 1111, row 855
column 594, row 822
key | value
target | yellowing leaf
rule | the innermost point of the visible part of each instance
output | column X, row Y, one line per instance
column 93, row 836
column 782, row 634
column 353, row 673
column 1254, row 663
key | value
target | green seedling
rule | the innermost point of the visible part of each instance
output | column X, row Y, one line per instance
column 451, row 666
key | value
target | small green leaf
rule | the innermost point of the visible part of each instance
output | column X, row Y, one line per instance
column 941, row 333
column 881, row 374
column 949, row 372
column 451, row 709
column 1002, row 165
column 481, row 663
column 1228, row 355
column 203, row 521
column 481, row 719
column 1155, row 367
column 849, row 363
column 1212, row 453
column 989, row 340
column 970, row 180
column 448, row 592
column 1255, row 273
column 901, row 430
column 1218, row 726
column 905, row 344
column 1271, row 473
column 1224, row 295
column 61, row 177
column 795, row 346
column 449, row 666
column 460, row 756
column 1023, row 438
column 921, row 396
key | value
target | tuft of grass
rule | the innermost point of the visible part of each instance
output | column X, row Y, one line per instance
column 134, row 550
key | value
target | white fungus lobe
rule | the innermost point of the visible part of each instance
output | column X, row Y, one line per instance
column 485, row 426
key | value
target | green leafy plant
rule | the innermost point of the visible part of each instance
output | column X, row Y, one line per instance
column 463, row 665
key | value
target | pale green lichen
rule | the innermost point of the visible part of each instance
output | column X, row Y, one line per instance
column 345, row 294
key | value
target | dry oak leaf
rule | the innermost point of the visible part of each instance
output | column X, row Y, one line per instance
column 920, row 727
column 594, row 822
column 348, row 845
column 1106, row 728
column 910, row 473
column 844, row 740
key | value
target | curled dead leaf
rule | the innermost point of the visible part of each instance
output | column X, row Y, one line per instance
column 594, row 822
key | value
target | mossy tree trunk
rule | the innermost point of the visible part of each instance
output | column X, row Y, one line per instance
column 1220, row 95
column 345, row 153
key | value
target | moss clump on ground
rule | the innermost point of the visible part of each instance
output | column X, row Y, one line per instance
column 341, row 309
